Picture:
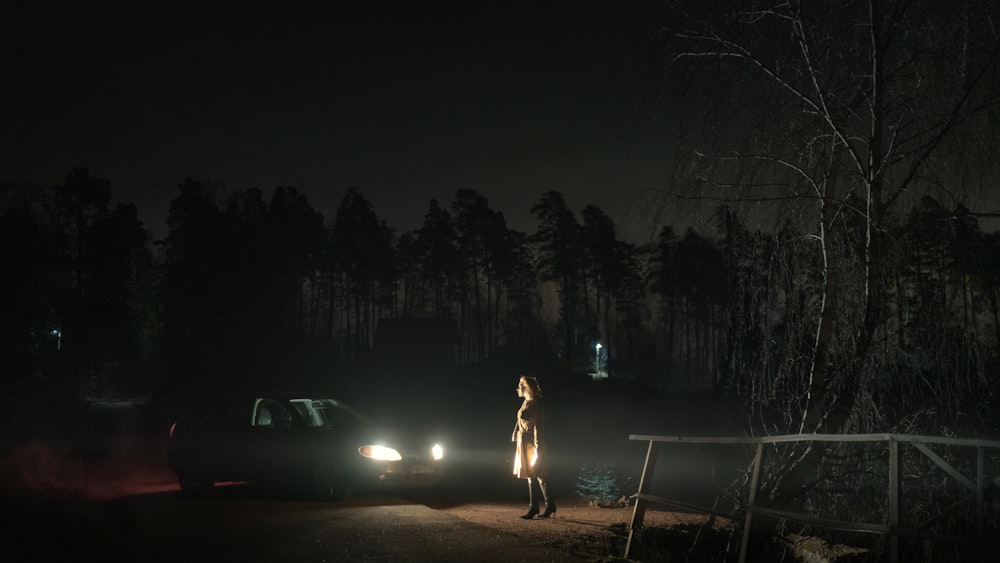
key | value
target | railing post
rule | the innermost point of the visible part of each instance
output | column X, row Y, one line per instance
column 980, row 500
column 751, row 499
column 639, row 512
column 893, row 508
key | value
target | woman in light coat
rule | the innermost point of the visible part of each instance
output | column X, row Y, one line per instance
column 530, row 457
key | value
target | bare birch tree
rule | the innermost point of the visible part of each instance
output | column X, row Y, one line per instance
column 835, row 116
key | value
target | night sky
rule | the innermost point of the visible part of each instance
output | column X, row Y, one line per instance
column 405, row 101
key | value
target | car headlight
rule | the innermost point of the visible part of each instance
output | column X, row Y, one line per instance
column 380, row 453
column 437, row 452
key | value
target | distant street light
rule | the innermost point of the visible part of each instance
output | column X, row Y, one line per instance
column 599, row 373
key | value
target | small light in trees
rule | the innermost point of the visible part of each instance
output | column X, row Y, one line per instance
column 600, row 370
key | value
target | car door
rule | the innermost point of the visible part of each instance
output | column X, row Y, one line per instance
column 264, row 441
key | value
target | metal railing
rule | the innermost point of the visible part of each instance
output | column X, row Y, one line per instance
column 891, row 527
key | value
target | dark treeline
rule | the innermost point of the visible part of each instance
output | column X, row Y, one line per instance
column 254, row 288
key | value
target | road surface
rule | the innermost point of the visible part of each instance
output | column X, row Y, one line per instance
column 243, row 527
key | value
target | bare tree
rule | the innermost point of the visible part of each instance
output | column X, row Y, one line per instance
column 835, row 115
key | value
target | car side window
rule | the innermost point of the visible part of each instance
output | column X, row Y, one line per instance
column 269, row 413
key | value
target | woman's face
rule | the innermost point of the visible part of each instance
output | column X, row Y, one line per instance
column 522, row 389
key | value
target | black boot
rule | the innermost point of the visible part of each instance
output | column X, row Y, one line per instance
column 550, row 509
column 532, row 511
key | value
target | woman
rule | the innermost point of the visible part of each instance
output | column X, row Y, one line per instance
column 530, row 458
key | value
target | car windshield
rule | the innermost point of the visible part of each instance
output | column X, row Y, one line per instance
column 327, row 413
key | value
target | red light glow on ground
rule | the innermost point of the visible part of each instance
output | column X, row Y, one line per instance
column 37, row 469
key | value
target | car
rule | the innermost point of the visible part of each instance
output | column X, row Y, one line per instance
column 303, row 442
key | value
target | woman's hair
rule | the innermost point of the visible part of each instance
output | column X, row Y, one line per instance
column 533, row 387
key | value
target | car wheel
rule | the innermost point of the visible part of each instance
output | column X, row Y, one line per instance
column 330, row 483
column 194, row 485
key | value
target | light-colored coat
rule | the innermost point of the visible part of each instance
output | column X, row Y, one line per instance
column 529, row 430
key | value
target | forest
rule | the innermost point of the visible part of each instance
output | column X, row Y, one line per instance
column 245, row 288
column 842, row 153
